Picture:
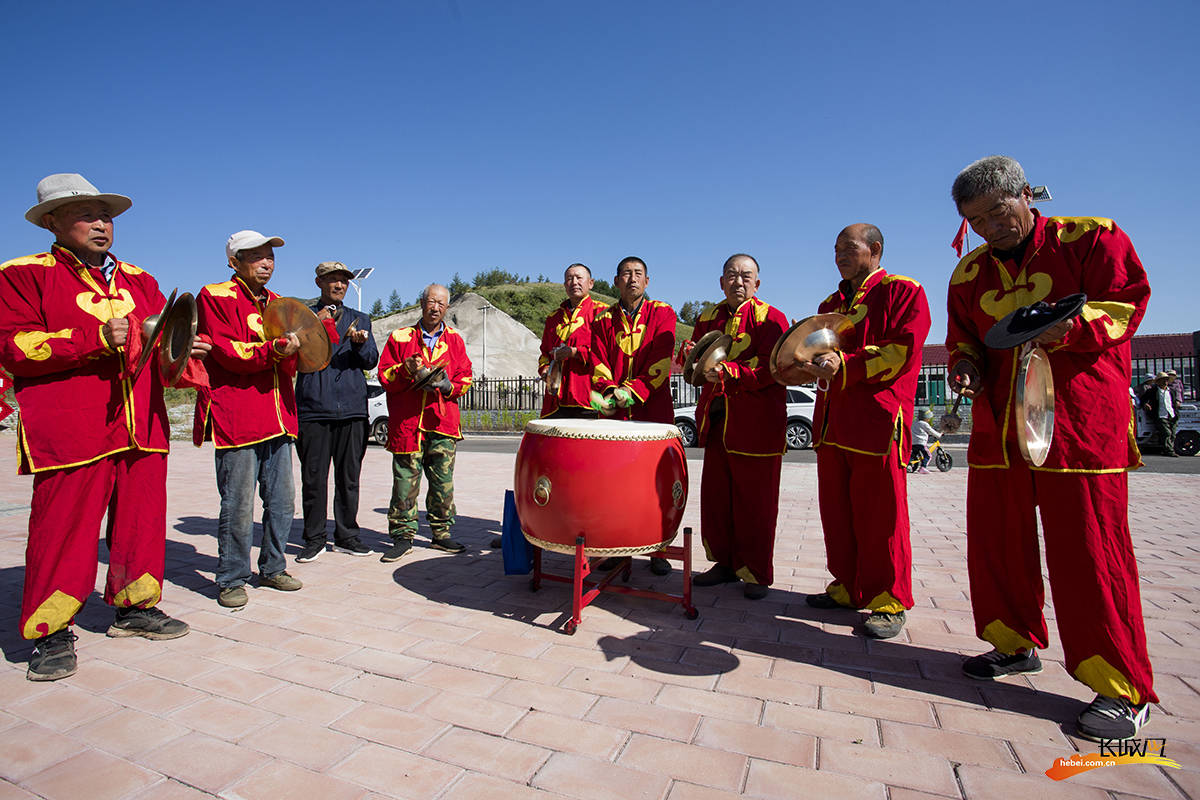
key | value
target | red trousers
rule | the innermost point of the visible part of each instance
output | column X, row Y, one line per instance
column 64, row 522
column 1089, row 557
column 864, row 514
column 739, row 504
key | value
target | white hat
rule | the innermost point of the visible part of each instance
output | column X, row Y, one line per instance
column 70, row 187
column 248, row 240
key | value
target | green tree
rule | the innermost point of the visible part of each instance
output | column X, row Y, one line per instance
column 604, row 287
column 690, row 311
column 394, row 303
column 458, row 286
column 494, row 277
column 377, row 308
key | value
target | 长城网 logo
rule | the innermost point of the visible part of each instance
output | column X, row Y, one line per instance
column 1113, row 753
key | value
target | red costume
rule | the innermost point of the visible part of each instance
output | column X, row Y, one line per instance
column 744, row 440
column 252, row 398
column 110, row 456
column 411, row 415
column 573, row 327
column 1089, row 554
column 862, row 437
column 634, row 352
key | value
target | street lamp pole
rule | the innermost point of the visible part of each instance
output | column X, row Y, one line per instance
column 483, row 365
column 360, row 275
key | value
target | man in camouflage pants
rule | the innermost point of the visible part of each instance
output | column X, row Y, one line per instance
column 423, row 421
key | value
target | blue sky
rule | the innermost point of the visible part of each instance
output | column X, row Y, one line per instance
column 428, row 138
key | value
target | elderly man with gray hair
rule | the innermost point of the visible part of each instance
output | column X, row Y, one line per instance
column 424, row 369
column 1081, row 490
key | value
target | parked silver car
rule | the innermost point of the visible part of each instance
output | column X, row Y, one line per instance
column 801, row 405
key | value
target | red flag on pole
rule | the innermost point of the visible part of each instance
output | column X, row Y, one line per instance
column 960, row 238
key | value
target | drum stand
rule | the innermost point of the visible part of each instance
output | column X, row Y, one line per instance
column 583, row 567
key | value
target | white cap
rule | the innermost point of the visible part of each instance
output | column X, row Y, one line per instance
column 248, row 240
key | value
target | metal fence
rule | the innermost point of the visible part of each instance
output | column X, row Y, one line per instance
column 525, row 394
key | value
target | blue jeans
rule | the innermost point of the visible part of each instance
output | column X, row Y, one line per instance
column 269, row 464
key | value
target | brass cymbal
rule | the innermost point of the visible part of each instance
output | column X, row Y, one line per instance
column 179, row 332
column 285, row 315
column 152, row 328
column 427, row 376
column 1035, row 406
column 804, row 341
column 711, row 349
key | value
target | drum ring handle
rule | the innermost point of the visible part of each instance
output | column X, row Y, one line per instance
column 677, row 494
column 541, row 491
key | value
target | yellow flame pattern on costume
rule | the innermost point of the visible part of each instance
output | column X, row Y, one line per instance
column 245, row 350
column 53, row 614
column 35, row 344
column 105, row 308
column 226, row 289
column 40, row 260
column 255, row 323
column 1004, row 638
column 1112, row 315
column 402, row 334
column 1015, row 293
column 659, row 371
column 140, row 592
column 1105, row 679
column 1072, row 228
column 884, row 362
column 569, row 325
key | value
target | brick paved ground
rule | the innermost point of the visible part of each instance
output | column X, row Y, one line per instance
column 439, row 677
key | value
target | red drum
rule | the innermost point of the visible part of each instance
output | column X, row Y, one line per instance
column 623, row 485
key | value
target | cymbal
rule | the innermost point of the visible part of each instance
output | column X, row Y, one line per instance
column 285, row 315
column 427, row 376
column 807, row 339
column 179, row 332
column 153, row 329
column 711, row 349
column 1035, row 406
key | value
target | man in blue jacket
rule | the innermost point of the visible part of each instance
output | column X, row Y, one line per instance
column 332, row 405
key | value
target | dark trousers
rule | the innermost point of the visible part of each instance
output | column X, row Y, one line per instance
column 344, row 442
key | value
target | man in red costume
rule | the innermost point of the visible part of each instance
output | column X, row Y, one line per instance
column 1081, row 488
column 742, row 418
column 863, row 433
column 249, row 414
column 633, row 341
column 566, row 341
column 423, row 422
column 70, row 317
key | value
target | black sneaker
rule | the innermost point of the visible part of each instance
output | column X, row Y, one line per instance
column 882, row 625
column 1112, row 718
column 823, row 600
column 53, row 657
column 716, row 574
column 447, row 545
column 310, row 552
column 397, row 551
column 660, row 566
column 149, row 623
column 351, row 547
column 995, row 664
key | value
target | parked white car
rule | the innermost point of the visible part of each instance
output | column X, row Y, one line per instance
column 801, row 405
column 377, row 412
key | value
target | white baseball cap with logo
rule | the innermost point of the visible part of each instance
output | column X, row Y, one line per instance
column 248, row 240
